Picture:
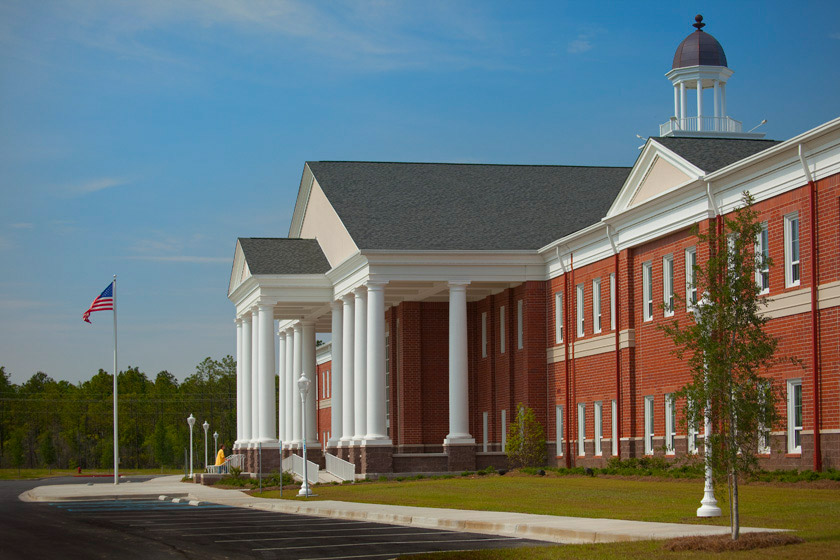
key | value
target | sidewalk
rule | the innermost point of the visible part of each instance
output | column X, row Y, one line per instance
column 569, row 530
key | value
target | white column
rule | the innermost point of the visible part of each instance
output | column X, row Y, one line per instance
column 266, row 368
column 676, row 101
column 376, row 365
column 281, row 385
column 255, row 374
column 360, row 366
column 308, row 368
column 682, row 105
column 246, row 378
column 289, row 382
column 699, row 105
column 717, row 101
column 336, row 381
column 723, row 99
column 347, row 362
column 459, row 426
column 296, row 369
column 239, row 410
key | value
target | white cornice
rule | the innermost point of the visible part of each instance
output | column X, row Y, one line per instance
column 302, row 201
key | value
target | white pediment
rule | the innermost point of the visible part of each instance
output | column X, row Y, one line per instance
column 657, row 171
column 240, row 271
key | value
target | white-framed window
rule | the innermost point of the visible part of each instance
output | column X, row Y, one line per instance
column 484, row 335
column 612, row 301
column 504, row 430
column 614, row 427
column 502, row 329
column 558, row 317
column 599, row 426
column 327, row 392
column 763, row 430
column 596, row 305
column 558, row 426
column 794, row 415
column 581, row 429
column 762, row 251
column 649, row 425
column 792, row 264
column 580, row 312
column 519, row 324
column 647, row 290
column 692, row 436
column 668, row 284
column 690, row 277
column 670, row 424
column 484, row 425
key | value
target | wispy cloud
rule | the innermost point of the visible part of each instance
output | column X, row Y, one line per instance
column 22, row 225
column 835, row 36
column 95, row 185
column 21, row 303
column 579, row 45
column 182, row 259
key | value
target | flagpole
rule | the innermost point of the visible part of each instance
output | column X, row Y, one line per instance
column 116, row 438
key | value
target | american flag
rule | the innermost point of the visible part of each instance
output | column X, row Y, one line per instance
column 104, row 302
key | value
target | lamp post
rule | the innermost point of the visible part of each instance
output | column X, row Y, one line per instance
column 205, row 426
column 215, row 443
column 303, row 386
column 191, row 422
column 709, row 506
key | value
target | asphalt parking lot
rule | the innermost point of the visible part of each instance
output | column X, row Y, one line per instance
column 218, row 531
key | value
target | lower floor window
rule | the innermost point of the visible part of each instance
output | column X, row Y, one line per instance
column 649, row 425
column 794, row 415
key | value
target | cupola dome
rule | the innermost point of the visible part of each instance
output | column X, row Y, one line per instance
column 699, row 49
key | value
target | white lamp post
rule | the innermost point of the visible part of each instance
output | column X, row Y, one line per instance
column 205, row 426
column 709, row 506
column 303, row 386
column 215, row 443
column 191, row 422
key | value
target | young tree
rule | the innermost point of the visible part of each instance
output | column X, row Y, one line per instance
column 727, row 348
column 525, row 440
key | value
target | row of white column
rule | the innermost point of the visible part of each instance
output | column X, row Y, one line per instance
column 358, row 373
column 681, row 106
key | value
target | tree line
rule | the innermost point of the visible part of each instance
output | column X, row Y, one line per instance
column 56, row 424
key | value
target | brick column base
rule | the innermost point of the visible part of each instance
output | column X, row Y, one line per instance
column 376, row 459
column 461, row 457
column 314, row 454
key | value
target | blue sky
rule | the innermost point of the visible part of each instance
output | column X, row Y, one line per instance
column 141, row 138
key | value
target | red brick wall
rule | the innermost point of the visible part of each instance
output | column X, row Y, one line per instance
column 323, row 419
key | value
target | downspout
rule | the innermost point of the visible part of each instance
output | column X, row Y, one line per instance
column 815, row 354
column 567, row 361
column 617, row 435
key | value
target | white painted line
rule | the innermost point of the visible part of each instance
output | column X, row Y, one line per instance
column 391, row 554
column 303, row 536
column 181, row 526
column 283, row 528
column 378, row 543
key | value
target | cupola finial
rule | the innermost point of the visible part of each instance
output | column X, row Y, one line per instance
column 698, row 22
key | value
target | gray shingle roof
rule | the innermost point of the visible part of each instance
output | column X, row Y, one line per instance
column 711, row 154
column 441, row 206
column 268, row 255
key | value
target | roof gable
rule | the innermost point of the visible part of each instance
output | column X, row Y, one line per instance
column 257, row 256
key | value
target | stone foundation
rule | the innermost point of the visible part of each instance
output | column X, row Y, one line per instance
column 497, row 460
column 461, row 457
column 420, row 462
column 376, row 459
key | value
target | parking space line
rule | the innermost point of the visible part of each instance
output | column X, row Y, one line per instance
column 181, row 526
column 355, row 528
column 390, row 554
column 299, row 536
column 343, row 545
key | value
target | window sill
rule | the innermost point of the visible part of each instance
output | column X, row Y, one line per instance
column 794, row 454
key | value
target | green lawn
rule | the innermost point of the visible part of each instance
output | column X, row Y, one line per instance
column 13, row 474
column 811, row 510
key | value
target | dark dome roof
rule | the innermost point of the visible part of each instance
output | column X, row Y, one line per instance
column 699, row 49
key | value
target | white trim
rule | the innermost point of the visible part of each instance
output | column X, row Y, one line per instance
column 793, row 267
column 598, row 410
column 596, row 305
column 581, row 431
column 668, row 284
column 690, row 277
column 647, row 291
column 647, row 427
column 579, row 306
column 792, row 428
column 613, row 288
column 558, row 317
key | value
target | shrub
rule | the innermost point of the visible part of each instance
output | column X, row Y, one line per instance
column 525, row 440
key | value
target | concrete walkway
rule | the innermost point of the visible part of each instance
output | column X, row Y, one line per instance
column 556, row 529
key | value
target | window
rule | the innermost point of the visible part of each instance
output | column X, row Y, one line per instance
column 762, row 253
column 558, row 426
column 596, row 305
column 484, row 335
column 519, row 324
column 794, row 415
column 502, row 329
column 692, row 436
column 668, row 284
column 763, row 432
column 387, row 383
column 612, row 301
column 484, row 430
column 615, row 428
column 792, row 250
column 599, row 428
column 580, row 320
column 558, row 317
column 504, row 430
column 670, row 424
column 690, row 276
column 649, row 425
column 581, row 429
column 647, row 290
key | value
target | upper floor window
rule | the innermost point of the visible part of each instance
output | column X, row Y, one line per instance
column 762, row 253
column 668, row 284
column 519, row 324
column 690, row 276
column 484, row 335
column 596, row 304
column 792, row 268
column 580, row 319
column 647, row 290
column 502, row 329
column 612, row 301
column 558, row 317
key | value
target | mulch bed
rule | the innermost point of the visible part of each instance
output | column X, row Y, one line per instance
column 724, row 543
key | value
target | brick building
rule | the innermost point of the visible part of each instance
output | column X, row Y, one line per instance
column 453, row 292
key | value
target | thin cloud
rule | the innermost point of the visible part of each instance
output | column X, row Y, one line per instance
column 579, row 45
column 181, row 259
column 21, row 303
column 835, row 36
column 96, row 185
column 22, row 225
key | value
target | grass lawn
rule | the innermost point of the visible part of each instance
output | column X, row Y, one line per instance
column 812, row 510
column 13, row 474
